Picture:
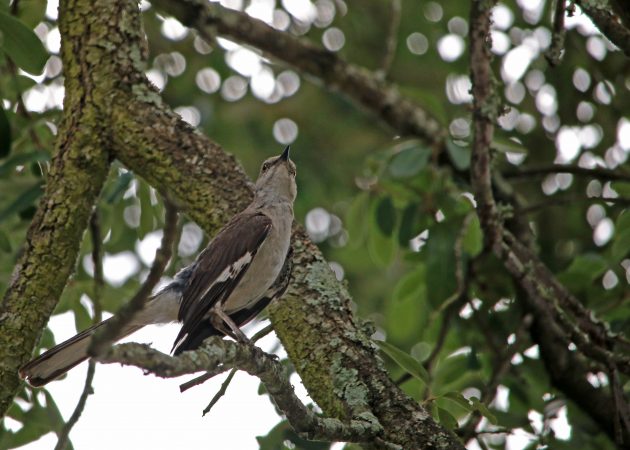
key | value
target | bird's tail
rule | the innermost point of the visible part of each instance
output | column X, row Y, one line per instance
column 63, row 357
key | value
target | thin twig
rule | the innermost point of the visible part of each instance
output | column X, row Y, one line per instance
column 392, row 38
column 554, row 52
column 103, row 338
column 598, row 173
column 570, row 201
column 95, row 232
column 206, row 376
column 220, row 393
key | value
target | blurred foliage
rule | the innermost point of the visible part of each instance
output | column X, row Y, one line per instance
column 400, row 228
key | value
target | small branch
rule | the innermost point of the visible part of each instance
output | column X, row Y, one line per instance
column 598, row 173
column 99, row 282
column 217, row 352
column 220, row 393
column 206, row 376
column 103, row 338
column 358, row 83
column 485, row 111
column 554, row 53
column 608, row 23
column 392, row 38
column 571, row 200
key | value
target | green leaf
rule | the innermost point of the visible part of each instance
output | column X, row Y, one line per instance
column 5, row 243
column 458, row 398
column 21, row 160
column 386, row 215
column 447, row 419
column 583, row 271
column 5, row 133
column 118, row 188
column 381, row 248
column 31, row 12
column 22, row 45
column 405, row 361
column 440, row 252
column 472, row 239
column 410, row 159
column 22, row 203
column 483, row 410
column 458, row 153
column 508, row 145
column 408, row 223
column 409, row 284
column 356, row 219
column 621, row 244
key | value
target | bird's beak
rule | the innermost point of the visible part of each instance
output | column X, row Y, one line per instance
column 285, row 153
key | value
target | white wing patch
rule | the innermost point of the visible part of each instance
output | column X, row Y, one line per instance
column 230, row 271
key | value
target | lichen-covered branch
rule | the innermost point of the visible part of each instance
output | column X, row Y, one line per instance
column 227, row 354
column 78, row 170
column 485, row 112
column 359, row 84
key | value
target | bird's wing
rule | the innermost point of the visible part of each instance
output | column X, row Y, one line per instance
column 220, row 267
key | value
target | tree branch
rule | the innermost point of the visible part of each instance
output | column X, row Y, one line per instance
column 217, row 352
column 597, row 173
column 359, row 84
column 608, row 22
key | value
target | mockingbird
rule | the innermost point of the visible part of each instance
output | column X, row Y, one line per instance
column 234, row 278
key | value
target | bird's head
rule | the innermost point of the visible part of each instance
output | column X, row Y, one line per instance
column 276, row 180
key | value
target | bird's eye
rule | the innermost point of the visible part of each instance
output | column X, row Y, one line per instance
column 265, row 167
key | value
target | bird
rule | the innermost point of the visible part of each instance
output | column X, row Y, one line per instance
column 243, row 268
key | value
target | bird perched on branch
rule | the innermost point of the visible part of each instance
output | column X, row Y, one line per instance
column 234, row 278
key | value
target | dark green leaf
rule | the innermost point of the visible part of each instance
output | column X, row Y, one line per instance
column 460, row 400
column 483, row 410
column 459, row 154
column 408, row 224
column 405, row 361
column 22, row 159
column 621, row 244
column 31, row 12
column 447, row 419
column 386, row 215
column 440, row 251
column 5, row 133
column 118, row 188
column 410, row 159
column 22, row 45
column 24, row 201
